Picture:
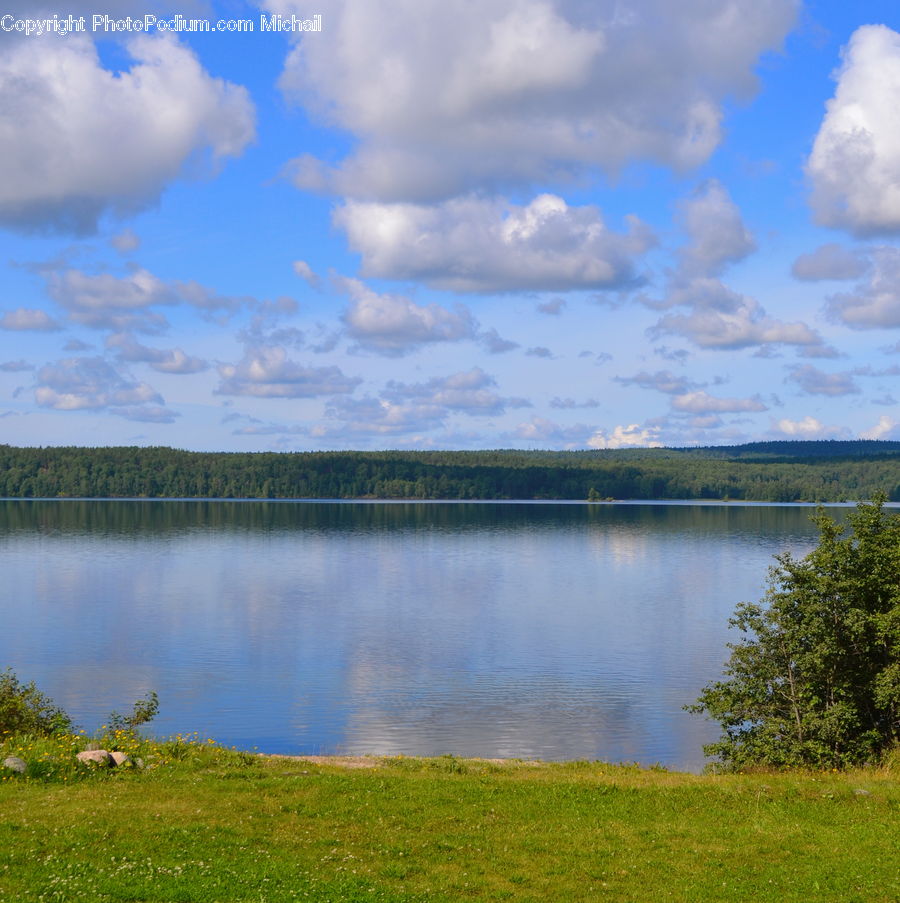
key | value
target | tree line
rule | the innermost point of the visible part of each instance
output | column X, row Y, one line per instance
column 772, row 472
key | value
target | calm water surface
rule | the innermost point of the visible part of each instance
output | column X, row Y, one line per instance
column 546, row 630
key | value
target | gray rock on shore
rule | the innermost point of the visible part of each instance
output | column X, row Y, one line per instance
column 96, row 757
column 15, row 764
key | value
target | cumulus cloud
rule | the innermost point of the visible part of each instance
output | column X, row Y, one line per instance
column 267, row 372
column 441, row 103
column 78, row 140
column 125, row 303
column 469, row 391
column 816, row 382
column 661, row 381
column 553, row 307
column 717, row 316
column 494, row 343
column 540, row 351
column 718, row 236
column 410, row 409
column 816, row 351
column 678, row 355
column 91, row 383
column 886, row 428
column 394, row 325
column 18, row 366
column 104, row 301
column 125, row 241
column 808, row 428
column 566, row 404
column 701, row 402
column 77, row 345
column 854, row 167
column 630, row 436
column 306, row 273
column 218, row 307
column 875, row 302
column 24, row 319
column 379, row 417
column 475, row 244
column 163, row 360
column 830, row 261
column 722, row 318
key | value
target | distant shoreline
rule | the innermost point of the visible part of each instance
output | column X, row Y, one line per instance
column 710, row 503
column 770, row 472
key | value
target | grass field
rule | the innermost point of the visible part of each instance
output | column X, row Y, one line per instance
column 201, row 823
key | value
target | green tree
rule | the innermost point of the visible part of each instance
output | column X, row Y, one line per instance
column 816, row 679
column 25, row 710
column 142, row 712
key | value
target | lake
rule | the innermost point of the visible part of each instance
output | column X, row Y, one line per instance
column 534, row 629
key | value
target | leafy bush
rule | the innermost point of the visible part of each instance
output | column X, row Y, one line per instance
column 142, row 712
column 816, row 681
column 25, row 710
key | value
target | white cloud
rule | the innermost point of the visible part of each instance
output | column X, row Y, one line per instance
column 703, row 403
column 494, row 343
column 18, row 366
column 306, row 273
column 393, row 325
column 854, row 167
column 816, row 382
column 125, row 241
column 719, row 317
column 885, row 428
column 163, row 360
column 213, row 305
column 444, row 97
column 469, row 391
column 553, row 307
column 679, row 355
column 91, row 383
column 267, row 372
column 808, row 428
column 77, row 345
column 78, row 140
column 830, row 261
column 28, row 319
column 722, row 318
column 630, row 436
column 874, row 303
column 474, row 244
column 104, row 301
column 718, row 236
column 379, row 417
column 410, row 409
column 124, row 303
column 661, row 381
column 566, row 404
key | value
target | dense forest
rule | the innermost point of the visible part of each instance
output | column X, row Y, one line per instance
column 766, row 471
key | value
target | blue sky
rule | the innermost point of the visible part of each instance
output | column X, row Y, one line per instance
column 449, row 224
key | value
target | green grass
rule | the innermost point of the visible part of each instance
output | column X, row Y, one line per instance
column 201, row 823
